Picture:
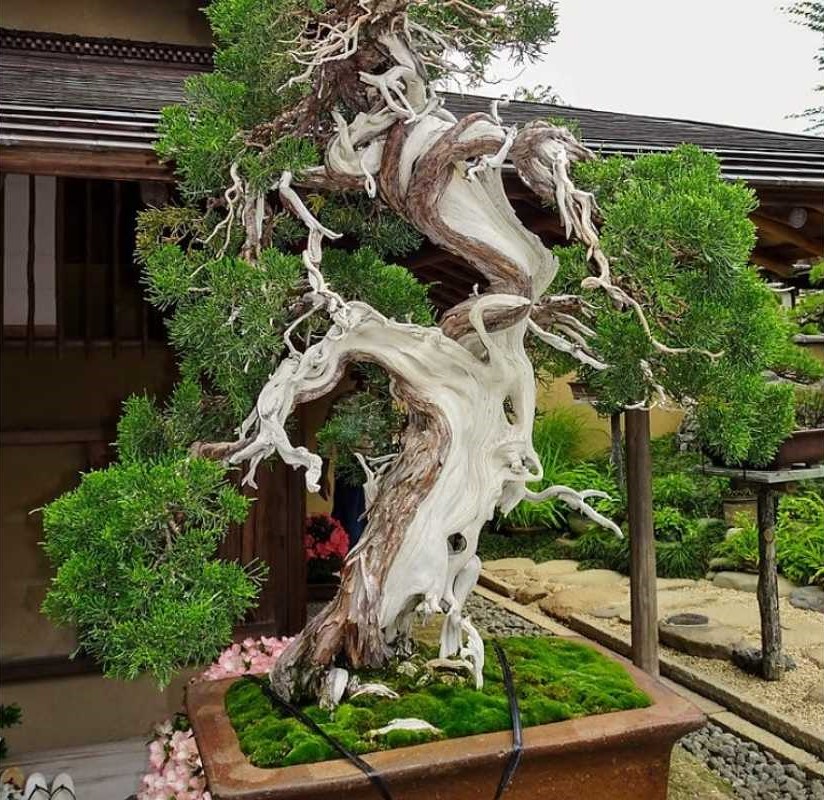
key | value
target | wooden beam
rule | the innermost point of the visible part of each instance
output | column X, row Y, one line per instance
column 31, row 288
column 772, row 663
column 784, row 233
column 783, row 269
column 643, row 587
column 74, row 163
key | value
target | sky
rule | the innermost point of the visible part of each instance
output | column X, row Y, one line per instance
column 738, row 62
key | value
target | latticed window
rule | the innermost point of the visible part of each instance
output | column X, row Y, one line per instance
column 69, row 277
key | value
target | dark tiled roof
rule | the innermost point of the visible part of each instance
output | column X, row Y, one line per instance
column 61, row 97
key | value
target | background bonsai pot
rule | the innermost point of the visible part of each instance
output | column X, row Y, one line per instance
column 622, row 755
column 804, row 446
column 733, row 505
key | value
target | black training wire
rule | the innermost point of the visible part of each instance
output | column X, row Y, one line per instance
column 377, row 781
column 366, row 769
column 517, row 731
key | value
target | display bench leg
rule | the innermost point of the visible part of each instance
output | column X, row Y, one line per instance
column 772, row 664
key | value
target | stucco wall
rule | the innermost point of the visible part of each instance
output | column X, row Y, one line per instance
column 173, row 21
column 597, row 428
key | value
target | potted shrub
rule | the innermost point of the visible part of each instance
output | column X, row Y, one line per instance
column 251, row 752
column 805, row 444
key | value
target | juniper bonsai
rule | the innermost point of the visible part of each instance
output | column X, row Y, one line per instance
column 321, row 119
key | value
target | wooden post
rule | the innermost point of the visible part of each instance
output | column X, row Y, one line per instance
column 616, row 456
column 771, row 660
column 643, row 589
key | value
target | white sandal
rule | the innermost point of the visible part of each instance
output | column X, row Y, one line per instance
column 62, row 788
column 36, row 788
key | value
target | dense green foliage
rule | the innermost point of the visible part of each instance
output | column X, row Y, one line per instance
column 10, row 715
column 687, row 505
column 555, row 680
column 799, row 534
column 134, row 546
column 678, row 238
column 558, row 438
column 808, row 311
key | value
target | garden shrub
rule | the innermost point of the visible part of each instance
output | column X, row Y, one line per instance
column 135, row 547
column 558, row 437
column 799, row 535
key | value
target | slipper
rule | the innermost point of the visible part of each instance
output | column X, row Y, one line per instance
column 62, row 788
column 36, row 788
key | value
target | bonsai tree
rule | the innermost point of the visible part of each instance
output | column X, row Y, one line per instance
column 316, row 152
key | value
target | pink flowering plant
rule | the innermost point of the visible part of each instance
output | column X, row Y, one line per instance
column 326, row 544
column 176, row 770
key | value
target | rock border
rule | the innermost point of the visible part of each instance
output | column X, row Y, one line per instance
column 802, row 737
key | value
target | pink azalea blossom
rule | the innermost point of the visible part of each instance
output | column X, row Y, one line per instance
column 176, row 771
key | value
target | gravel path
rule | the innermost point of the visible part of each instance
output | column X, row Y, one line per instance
column 754, row 773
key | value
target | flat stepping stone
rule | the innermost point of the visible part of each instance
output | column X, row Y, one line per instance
column 549, row 569
column 669, row 584
column 530, row 593
column 816, row 655
column 606, row 612
column 509, row 564
column 747, row 582
column 581, row 600
column 710, row 640
column 590, row 577
column 808, row 597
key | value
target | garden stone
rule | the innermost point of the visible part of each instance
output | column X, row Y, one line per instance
column 721, row 564
column 591, row 577
column 496, row 585
column 808, row 597
column 547, row 570
column 580, row 600
column 749, row 660
column 816, row 694
column 530, row 593
column 669, row 584
column 707, row 641
column 509, row 565
column 816, row 655
column 747, row 582
column 606, row 612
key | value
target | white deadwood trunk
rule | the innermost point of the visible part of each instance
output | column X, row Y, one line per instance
column 467, row 386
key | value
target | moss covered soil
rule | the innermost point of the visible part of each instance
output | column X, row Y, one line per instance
column 555, row 680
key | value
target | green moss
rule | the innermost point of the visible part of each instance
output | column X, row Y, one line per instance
column 555, row 680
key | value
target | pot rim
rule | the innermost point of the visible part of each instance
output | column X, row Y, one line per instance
column 230, row 774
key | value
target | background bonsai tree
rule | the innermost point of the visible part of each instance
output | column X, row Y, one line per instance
column 321, row 125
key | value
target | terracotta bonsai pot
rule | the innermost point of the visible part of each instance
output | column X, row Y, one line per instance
column 581, row 392
column 732, row 506
column 623, row 755
column 802, row 447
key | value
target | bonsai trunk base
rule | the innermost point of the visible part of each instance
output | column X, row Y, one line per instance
column 623, row 755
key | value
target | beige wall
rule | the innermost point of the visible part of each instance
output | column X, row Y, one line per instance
column 87, row 709
column 39, row 393
column 173, row 21
column 597, row 436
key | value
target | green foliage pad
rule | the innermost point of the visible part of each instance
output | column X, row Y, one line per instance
column 555, row 680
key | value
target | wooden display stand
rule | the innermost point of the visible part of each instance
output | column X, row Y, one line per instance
column 767, row 484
